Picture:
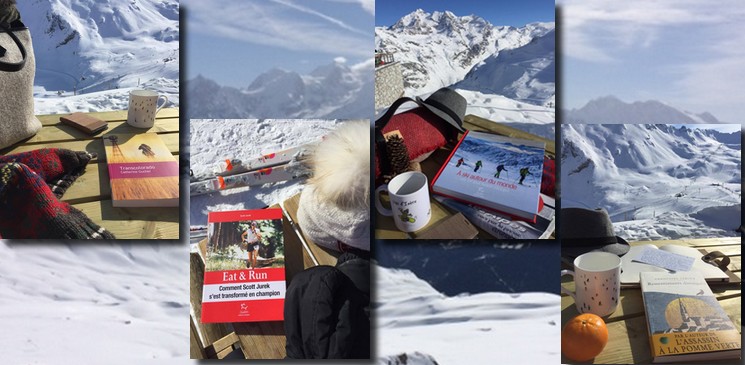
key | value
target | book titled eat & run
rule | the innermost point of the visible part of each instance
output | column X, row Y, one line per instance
column 244, row 277
column 142, row 171
column 494, row 172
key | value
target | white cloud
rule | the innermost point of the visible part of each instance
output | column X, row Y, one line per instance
column 367, row 5
column 278, row 23
column 340, row 59
column 593, row 30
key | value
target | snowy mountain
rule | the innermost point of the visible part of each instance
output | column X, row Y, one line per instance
column 438, row 49
column 87, row 46
column 525, row 73
column 330, row 91
column 610, row 109
column 416, row 324
column 656, row 181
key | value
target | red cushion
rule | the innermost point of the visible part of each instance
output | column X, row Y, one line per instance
column 548, row 181
column 422, row 131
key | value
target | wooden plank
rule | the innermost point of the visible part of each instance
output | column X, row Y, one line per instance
column 322, row 255
column 506, row 130
column 65, row 133
column 209, row 332
column 631, row 303
column 196, row 349
column 133, row 223
column 262, row 340
column 696, row 242
column 222, row 347
column 296, row 258
column 93, row 146
column 109, row 116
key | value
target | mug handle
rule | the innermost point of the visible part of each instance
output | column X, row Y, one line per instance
column 165, row 101
column 565, row 290
column 378, row 205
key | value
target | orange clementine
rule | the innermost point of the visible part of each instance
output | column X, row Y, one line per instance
column 584, row 337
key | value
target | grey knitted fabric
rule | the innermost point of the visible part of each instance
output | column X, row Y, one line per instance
column 326, row 223
column 17, row 119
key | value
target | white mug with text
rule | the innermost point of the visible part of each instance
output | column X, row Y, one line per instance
column 409, row 196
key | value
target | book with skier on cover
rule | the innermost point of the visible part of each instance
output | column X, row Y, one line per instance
column 495, row 172
column 142, row 171
column 684, row 319
column 244, row 278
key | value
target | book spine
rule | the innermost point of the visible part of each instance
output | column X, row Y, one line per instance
column 499, row 226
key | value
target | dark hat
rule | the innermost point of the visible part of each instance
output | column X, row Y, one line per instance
column 585, row 230
column 448, row 105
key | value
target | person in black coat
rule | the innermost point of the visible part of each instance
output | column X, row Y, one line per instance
column 327, row 310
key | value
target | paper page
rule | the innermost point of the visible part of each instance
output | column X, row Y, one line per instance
column 667, row 260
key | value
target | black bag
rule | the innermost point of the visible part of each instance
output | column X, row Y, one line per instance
column 327, row 311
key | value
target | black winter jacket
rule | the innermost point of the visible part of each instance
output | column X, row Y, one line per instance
column 327, row 311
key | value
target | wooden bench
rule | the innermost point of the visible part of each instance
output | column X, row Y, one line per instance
column 628, row 341
column 256, row 340
column 91, row 193
column 385, row 228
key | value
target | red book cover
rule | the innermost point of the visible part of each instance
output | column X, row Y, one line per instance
column 244, row 278
column 494, row 172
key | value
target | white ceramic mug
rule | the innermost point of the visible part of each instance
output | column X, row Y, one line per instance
column 143, row 108
column 597, row 283
column 409, row 196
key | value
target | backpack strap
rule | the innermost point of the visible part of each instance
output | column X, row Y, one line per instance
column 13, row 66
column 380, row 144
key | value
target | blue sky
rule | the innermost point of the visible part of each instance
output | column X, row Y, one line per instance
column 515, row 13
column 233, row 41
column 686, row 53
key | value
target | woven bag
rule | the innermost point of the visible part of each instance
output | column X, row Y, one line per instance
column 17, row 69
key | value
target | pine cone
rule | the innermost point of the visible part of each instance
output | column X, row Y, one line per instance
column 398, row 155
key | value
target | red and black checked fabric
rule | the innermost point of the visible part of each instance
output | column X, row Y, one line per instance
column 31, row 184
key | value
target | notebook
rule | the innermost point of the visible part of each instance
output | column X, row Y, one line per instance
column 630, row 268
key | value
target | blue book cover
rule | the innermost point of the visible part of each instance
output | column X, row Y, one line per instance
column 494, row 172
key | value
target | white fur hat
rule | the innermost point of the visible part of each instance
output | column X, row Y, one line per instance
column 335, row 205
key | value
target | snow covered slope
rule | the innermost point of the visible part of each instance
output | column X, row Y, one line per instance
column 330, row 91
column 216, row 140
column 438, row 49
column 416, row 324
column 89, row 46
column 661, row 181
column 74, row 302
column 526, row 73
column 610, row 109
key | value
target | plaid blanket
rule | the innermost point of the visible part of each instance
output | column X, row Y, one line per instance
column 31, row 184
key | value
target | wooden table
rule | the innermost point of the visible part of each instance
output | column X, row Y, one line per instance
column 628, row 342
column 385, row 228
column 91, row 193
column 260, row 340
